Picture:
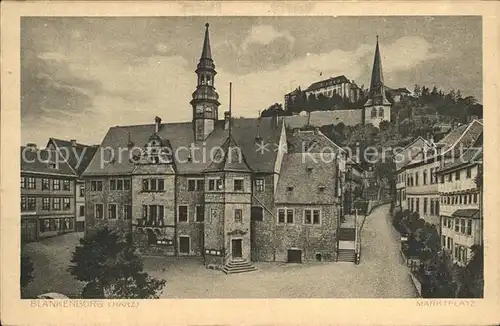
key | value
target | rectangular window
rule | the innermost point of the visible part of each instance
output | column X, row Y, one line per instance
column 289, row 216
column 99, row 210
column 259, row 185
column 432, row 205
column 31, row 183
column 443, row 241
column 238, row 215
column 46, row 203
column 45, row 184
column 449, row 177
column 312, row 216
column 462, row 226
column 416, row 178
column 144, row 211
column 23, row 182
column 442, row 178
column 425, row 205
column 281, row 216
column 457, row 175
column 119, row 184
column 161, row 184
column 460, row 198
column 191, row 185
column 469, row 227
column 56, row 204
column 82, row 191
column 417, row 205
column 112, row 184
column 112, row 211
column 215, row 184
column 199, row 213
column 31, row 203
column 475, row 198
column 457, row 225
column 152, row 185
column 238, row 184
column 161, row 212
column 66, row 204
column 127, row 211
column 153, row 213
column 66, row 185
column 145, row 184
column 82, row 211
column 126, row 184
column 183, row 213
column 465, row 199
column 96, row 185
column 469, row 173
column 425, row 177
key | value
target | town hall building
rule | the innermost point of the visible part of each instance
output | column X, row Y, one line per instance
column 231, row 191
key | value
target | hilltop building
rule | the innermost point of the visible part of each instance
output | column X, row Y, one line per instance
column 231, row 191
column 377, row 106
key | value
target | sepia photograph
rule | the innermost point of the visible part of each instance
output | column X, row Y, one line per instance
column 251, row 157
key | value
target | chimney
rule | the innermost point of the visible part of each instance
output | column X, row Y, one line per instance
column 157, row 124
column 227, row 120
column 31, row 146
column 73, row 142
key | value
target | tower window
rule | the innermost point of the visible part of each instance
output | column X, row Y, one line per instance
column 381, row 112
column 374, row 113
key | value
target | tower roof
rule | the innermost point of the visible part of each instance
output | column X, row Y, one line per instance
column 206, row 52
column 377, row 75
column 376, row 94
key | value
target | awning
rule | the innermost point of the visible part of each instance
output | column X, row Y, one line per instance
column 469, row 213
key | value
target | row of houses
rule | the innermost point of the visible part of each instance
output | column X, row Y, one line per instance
column 52, row 190
column 442, row 182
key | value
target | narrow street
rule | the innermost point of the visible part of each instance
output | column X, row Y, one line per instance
column 381, row 259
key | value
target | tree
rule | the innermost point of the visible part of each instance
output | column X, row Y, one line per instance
column 473, row 275
column 27, row 270
column 275, row 109
column 108, row 263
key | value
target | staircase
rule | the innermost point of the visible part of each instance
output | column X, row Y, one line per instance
column 238, row 266
column 346, row 255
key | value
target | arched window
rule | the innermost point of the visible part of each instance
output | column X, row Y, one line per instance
column 381, row 112
column 374, row 113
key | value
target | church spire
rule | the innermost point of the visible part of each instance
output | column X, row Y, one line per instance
column 206, row 52
column 377, row 75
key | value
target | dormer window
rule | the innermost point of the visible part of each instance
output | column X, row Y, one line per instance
column 321, row 188
column 289, row 188
column 53, row 165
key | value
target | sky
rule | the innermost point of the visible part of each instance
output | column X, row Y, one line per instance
column 80, row 76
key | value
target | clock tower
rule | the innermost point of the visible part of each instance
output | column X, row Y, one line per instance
column 205, row 100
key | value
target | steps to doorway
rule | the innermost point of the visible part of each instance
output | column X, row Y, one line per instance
column 238, row 266
column 346, row 255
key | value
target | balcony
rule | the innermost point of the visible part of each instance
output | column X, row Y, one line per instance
column 150, row 223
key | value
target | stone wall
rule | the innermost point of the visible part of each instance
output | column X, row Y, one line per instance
column 262, row 242
column 311, row 239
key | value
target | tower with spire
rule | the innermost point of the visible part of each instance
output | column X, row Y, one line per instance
column 205, row 100
column 377, row 107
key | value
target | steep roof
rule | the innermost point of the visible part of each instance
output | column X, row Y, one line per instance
column 410, row 151
column 206, row 53
column 78, row 155
column 231, row 158
column 181, row 137
column 453, row 144
column 37, row 161
column 377, row 90
column 327, row 82
column 319, row 173
column 471, row 156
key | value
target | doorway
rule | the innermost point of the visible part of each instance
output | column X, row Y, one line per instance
column 152, row 239
column 294, row 256
column 184, row 245
column 236, row 249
